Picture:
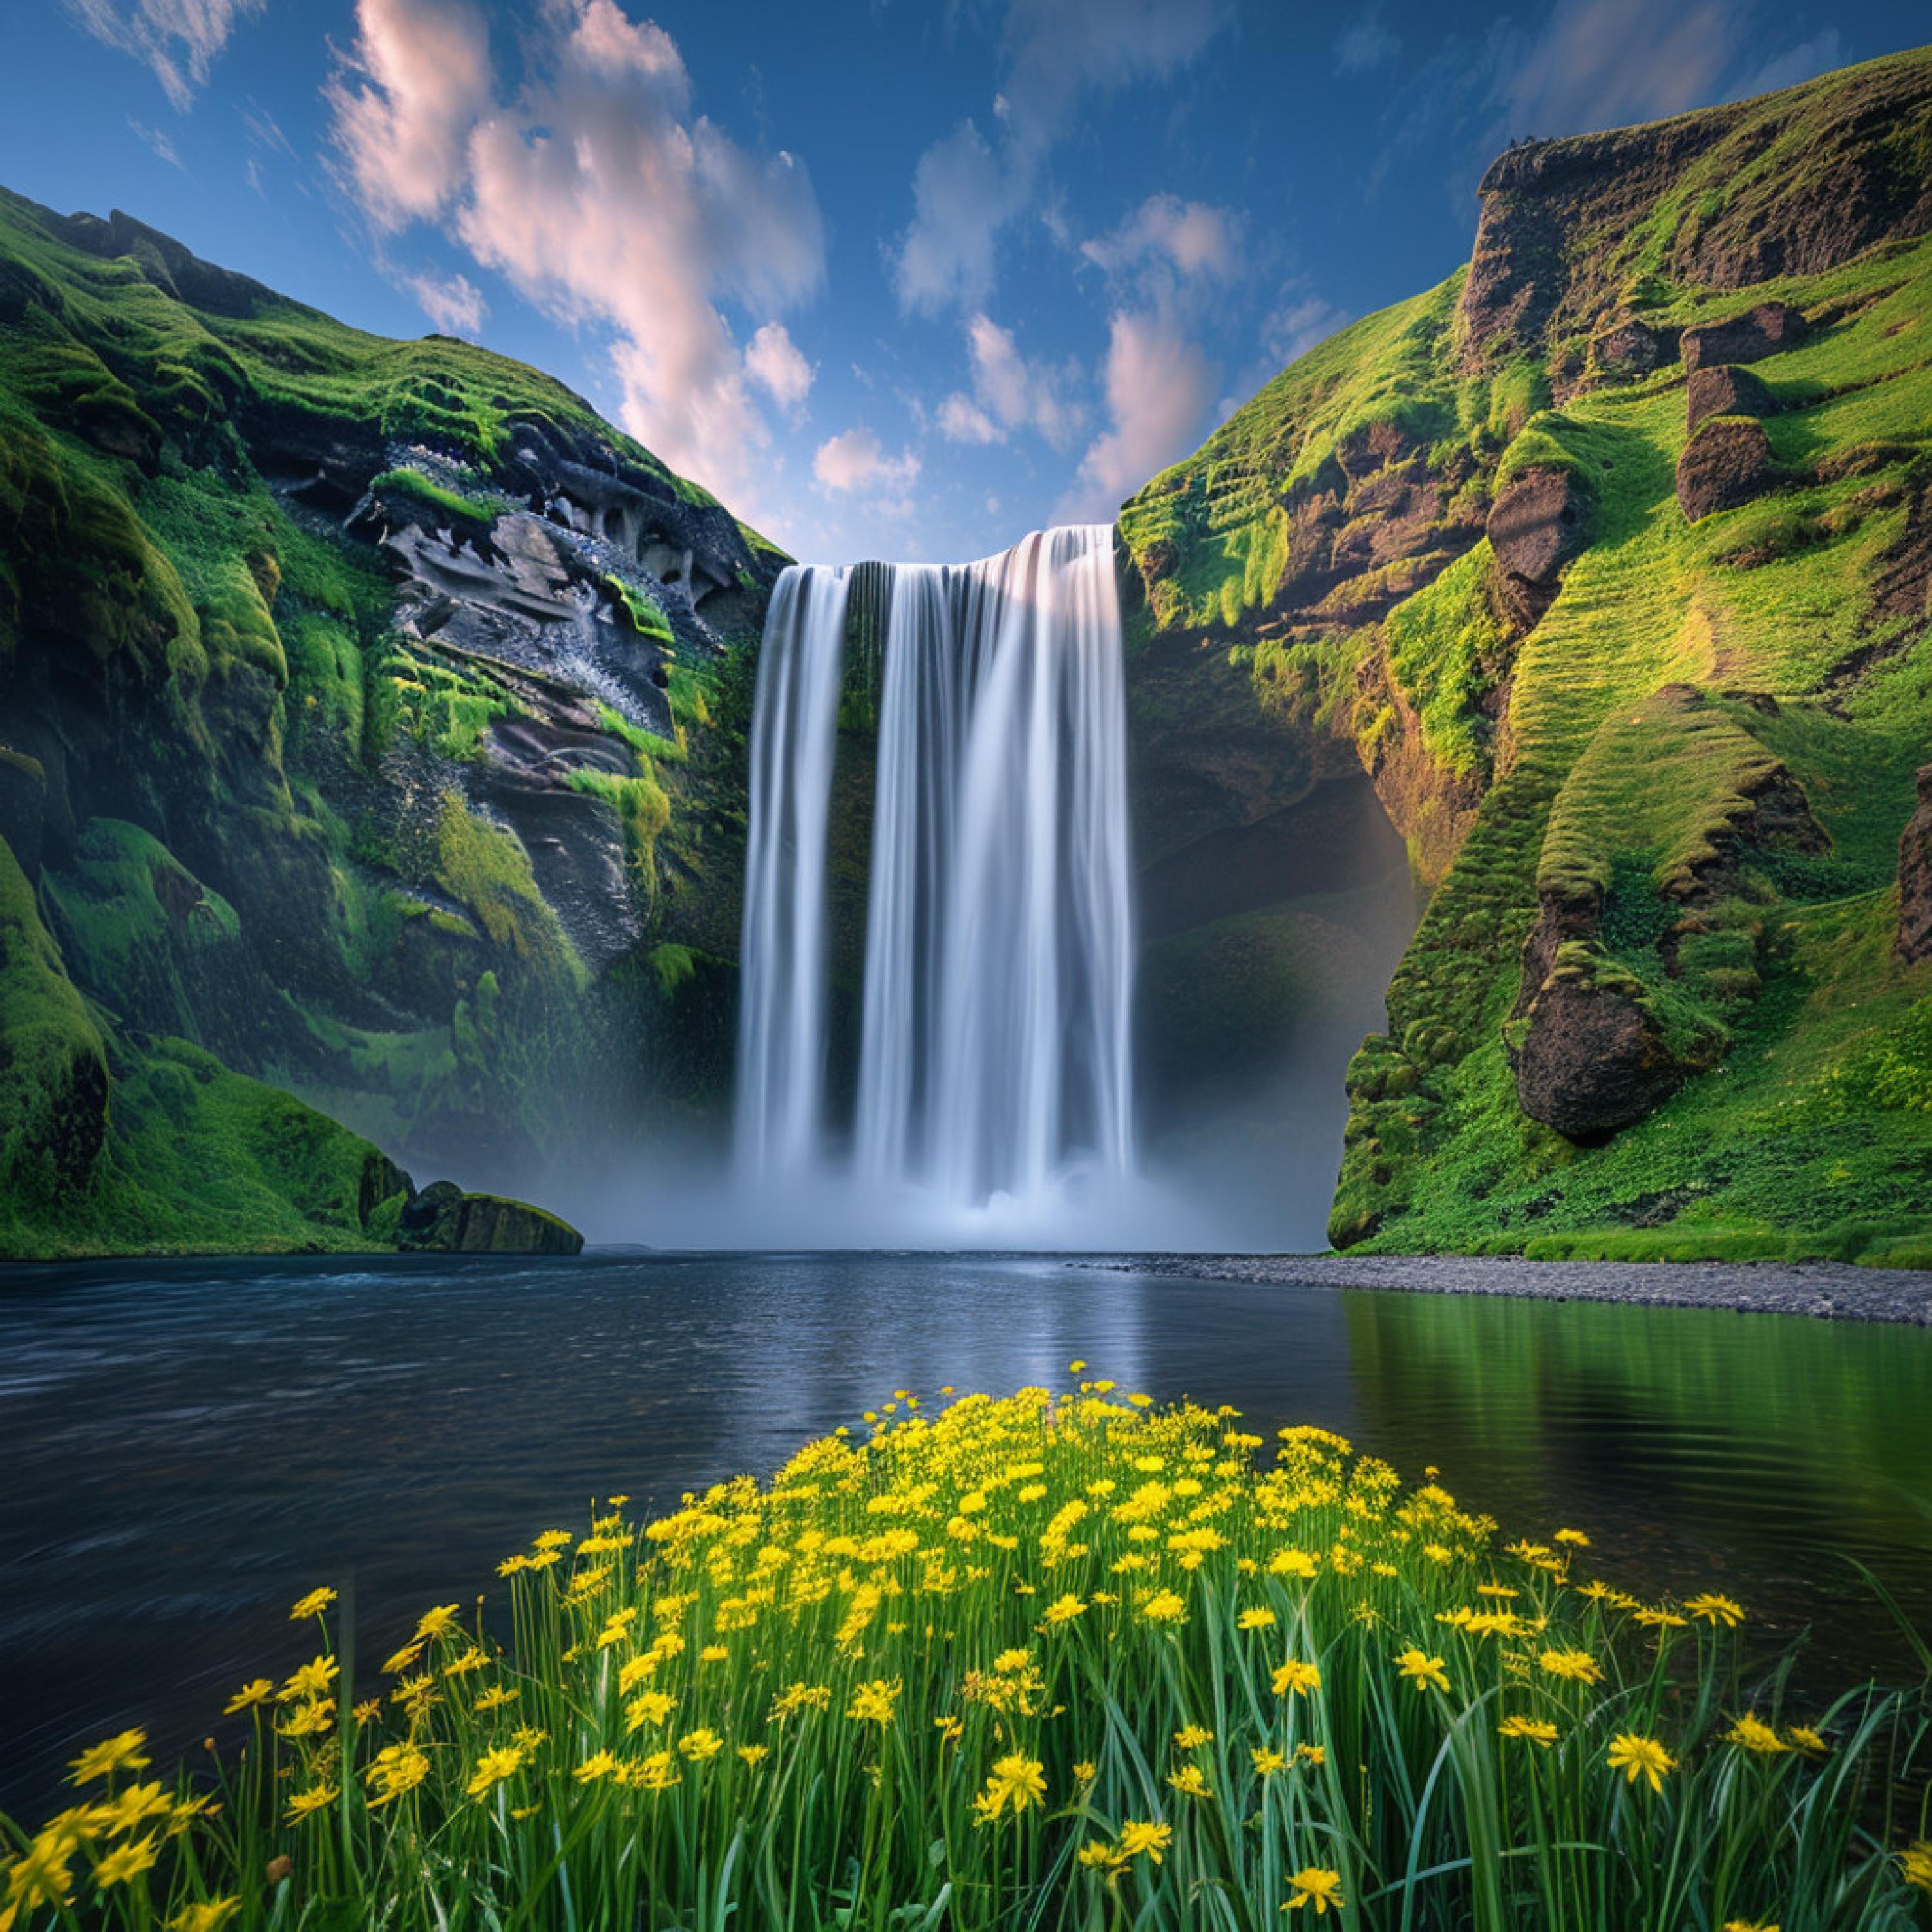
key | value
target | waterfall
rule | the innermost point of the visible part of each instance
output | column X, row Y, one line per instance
column 782, row 1042
column 995, row 1058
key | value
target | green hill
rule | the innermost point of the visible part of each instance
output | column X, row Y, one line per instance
column 1646, row 701
column 371, row 720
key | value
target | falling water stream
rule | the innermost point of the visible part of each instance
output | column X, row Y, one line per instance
column 994, row 1063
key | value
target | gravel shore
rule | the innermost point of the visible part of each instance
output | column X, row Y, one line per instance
column 1834, row 1290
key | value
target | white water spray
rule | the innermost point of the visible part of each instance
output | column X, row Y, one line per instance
column 995, row 1067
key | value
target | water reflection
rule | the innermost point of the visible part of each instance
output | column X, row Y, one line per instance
column 188, row 1447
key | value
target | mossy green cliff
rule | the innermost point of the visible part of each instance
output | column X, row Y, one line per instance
column 1631, row 640
column 371, row 731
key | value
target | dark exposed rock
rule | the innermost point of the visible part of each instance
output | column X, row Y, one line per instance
column 1633, row 347
column 1592, row 1060
column 1749, row 338
column 1727, row 463
column 172, row 267
column 1724, row 389
column 443, row 1219
column 1915, row 877
column 1540, row 521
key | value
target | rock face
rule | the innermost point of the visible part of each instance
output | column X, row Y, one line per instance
column 1633, row 347
column 443, row 1219
column 1724, row 389
column 1749, row 338
column 1539, row 522
column 1861, row 178
column 1727, row 464
column 1915, row 877
column 1591, row 1061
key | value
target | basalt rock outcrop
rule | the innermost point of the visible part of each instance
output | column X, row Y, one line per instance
column 1539, row 523
column 443, row 1219
column 1727, row 463
column 1750, row 338
column 1724, row 389
column 1915, row 877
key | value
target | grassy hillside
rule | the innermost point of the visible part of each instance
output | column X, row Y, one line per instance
column 1649, row 723
column 371, row 721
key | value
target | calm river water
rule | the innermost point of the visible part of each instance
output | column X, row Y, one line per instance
column 185, row 1448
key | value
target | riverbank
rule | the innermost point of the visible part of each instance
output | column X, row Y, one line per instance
column 1835, row 1291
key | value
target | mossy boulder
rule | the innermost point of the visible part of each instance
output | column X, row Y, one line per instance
column 1539, row 523
column 443, row 1219
column 1728, row 463
column 1724, row 389
column 1589, row 1058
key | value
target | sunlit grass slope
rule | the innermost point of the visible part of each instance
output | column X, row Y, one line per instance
column 1067, row 1660
column 1521, row 762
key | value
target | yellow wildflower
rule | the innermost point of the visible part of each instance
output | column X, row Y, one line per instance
column 313, row 1605
column 127, row 1861
column 1423, row 1671
column 1192, row 1737
column 1578, row 1666
column 1751, row 1733
column 1257, row 1617
column 1190, row 1782
column 648, row 1707
column 601, row 1766
column 872, row 1703
column 132, row 1807
column 121, row 1753
column 1267, row 1761
column 209, row 1916
column 754, row 1755
column 317, row 1798
column 1064, row 1610
column 1806, row 1738
column 1148, row 1841
column 397, row 1768
column 438, row 1622
column 699, row 1745
column 495, row 1767
column 1014, row 1783
column 1316, row 1885
column 311, row 1681
column 1916, row 1862
column 1165, row 1608
column 1637, row 1757
column 1296, row 1676
column 1714, row 1608
column 256, row 1690
column 1532, row 1730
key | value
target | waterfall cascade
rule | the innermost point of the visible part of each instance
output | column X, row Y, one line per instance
column 994, row 1061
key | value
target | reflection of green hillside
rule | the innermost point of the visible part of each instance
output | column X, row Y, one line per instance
column 1772, row 1443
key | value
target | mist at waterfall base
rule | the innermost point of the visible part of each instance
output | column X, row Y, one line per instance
column 938, row 1029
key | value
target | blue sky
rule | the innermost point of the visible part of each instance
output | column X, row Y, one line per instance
column 893, row 279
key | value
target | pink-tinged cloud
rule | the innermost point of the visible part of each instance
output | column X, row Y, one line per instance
column 1191, row 237
column 776, row 364
column 961, row 420
column 403, row 103
column 855, row 459
column 454, row 304
column 1018, row 393
column 1158, row 387
column 176, row 40
column 593, row 191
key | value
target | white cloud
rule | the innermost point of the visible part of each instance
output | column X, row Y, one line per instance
column 454, row 304
column 1196, row 239
column 962, row 420
column 855, row 460
column 962, row 195
column 1365, row 43
column 1297, row 326
column 157, row 139
column 774, row 361
column 1805, row 61
column 1020, row 394
column 595, row 192
column 1053, row 52
column 1607, row 63
column 1160, row 386
column 178, row 40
